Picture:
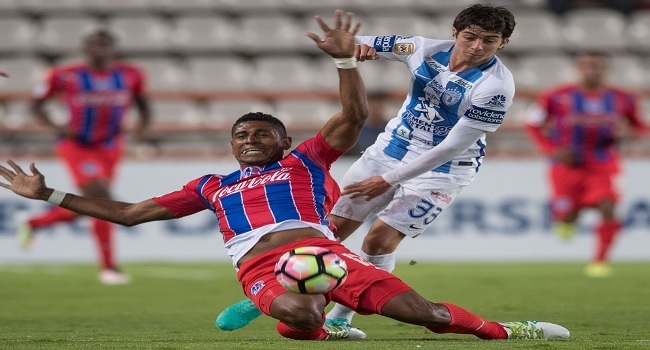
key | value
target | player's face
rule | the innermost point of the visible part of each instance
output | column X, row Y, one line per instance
column 477, row 46
column 258, row 143
column 99, row 48
column 592, row 69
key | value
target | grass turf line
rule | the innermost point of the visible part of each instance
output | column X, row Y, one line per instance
column 173, row 306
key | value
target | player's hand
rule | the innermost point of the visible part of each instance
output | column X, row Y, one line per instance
column 338, row 41
column 29, row 186
column 370, row 188
column 364, row 52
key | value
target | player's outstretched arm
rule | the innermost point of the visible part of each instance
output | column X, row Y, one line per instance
column 343, row 129
column 458, row 141
column 33, row 187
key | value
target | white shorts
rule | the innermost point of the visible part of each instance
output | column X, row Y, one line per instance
column 408, row 207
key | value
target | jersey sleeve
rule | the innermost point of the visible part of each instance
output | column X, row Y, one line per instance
column 49, row 86
column 634, row 115
column 536, row 117
column 139, row 81
column 490, row 102
column 318, row 150
column 183, row 202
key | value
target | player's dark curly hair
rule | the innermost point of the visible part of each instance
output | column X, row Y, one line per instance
column 491, row 18
column 99, row 32
column 259, row 116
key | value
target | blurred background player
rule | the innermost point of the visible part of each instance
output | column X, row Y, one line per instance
column 97, row 94
column 579, row 126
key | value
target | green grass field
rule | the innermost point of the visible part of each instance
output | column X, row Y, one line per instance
column 173, row 306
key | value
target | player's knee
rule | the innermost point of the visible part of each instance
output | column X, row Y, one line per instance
column 378, row 244
column 412, row 308
column 427, row 313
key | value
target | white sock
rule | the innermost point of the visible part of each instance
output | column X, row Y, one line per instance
column 340, row 311
column 384, row 262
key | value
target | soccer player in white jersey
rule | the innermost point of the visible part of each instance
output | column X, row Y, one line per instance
column 459, row 91
column 433, row 148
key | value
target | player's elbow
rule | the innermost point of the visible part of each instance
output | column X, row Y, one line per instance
column 358, row 114
column 128, row 218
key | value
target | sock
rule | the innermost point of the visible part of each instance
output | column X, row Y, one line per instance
column 340, row 311
column 606, row 232
column 103, row 231
column 51, row 217
column 465, row 322
column 288, row 332
column 384, row 262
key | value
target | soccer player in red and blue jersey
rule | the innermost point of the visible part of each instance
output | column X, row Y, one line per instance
column 274, row 203
column 578, row 126
column 97, row 93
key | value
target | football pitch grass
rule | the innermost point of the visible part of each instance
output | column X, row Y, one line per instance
column 173, row 306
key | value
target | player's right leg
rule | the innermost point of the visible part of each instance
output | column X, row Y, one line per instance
column 410, row 307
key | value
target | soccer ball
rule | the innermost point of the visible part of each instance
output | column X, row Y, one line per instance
column 311, row 270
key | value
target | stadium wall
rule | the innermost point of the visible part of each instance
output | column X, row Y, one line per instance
column 503, row 216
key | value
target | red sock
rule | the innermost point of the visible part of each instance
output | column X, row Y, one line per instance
column 52, row 216
column 465, row 322
column 103, row 231
column 288, row 332
column 606, row 232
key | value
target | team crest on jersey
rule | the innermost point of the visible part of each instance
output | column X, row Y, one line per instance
column 451, row 96
column 498, row 101
column 257, row 287
column 403, row 48
column 251, row 170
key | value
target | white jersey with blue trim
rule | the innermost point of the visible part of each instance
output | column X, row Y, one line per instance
column 438, row 98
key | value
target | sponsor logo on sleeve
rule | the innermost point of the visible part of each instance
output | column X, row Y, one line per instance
column 485, row 115
column 384, row 43
column 498, row 101
column 403, row 49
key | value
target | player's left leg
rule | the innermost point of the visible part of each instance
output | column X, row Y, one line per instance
column 414, row 206
column 606, row 232
column 390, row 297
column 412, row 308
column 602, row 195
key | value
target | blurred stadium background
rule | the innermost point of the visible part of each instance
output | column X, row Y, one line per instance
column 210, row 61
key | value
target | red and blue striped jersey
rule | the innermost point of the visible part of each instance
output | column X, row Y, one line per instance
column 298, row 187
column 97, row 100
column 585, row 122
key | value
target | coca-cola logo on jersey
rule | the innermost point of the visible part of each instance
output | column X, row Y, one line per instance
column 102, row 98
column 283, row 174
